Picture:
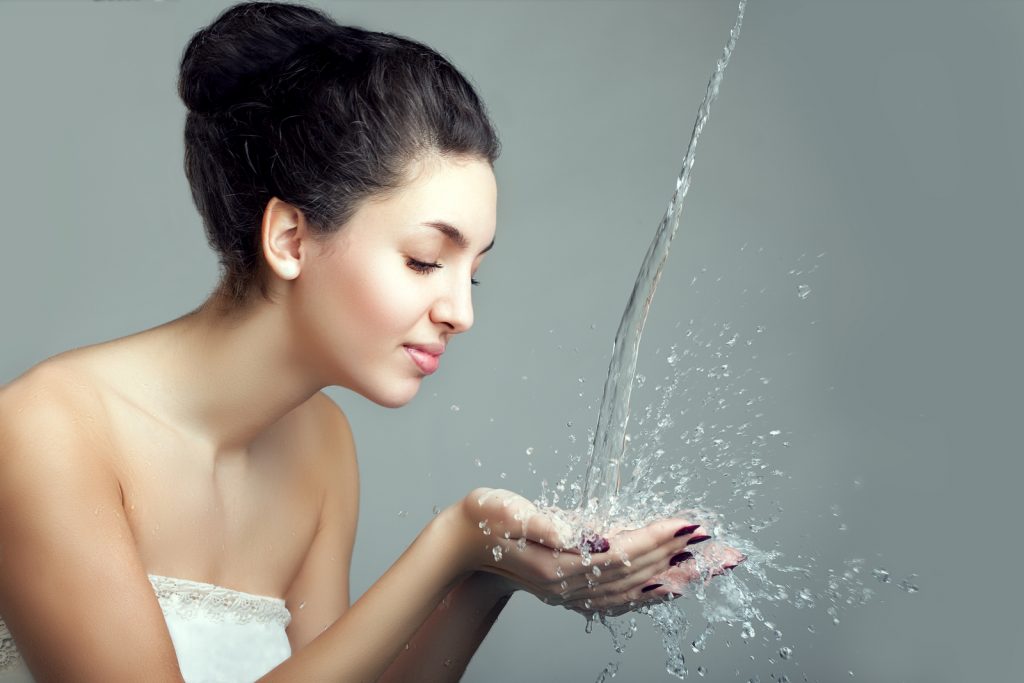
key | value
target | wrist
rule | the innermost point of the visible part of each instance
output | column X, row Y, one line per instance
column 459, row 538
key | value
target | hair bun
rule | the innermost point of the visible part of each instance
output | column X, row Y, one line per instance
column 225, row 62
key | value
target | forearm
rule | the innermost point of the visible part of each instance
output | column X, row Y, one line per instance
column 447, row 640
column 369, row 636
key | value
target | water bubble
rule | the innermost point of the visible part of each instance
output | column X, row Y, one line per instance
column 503, row 475
column 436, row 510
column 747, row 631
column 478, row 463
column 448, row 662
column 702, row 671
column 496, row 551
column 785, row 652
column 559, row 572
column 403, row 513
column 774, row 432
column 455, row 408
column 521, row 544
column 596, row 570
column 803, row 291
column 529, row 450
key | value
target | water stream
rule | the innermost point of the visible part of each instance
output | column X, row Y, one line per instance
column 603, row 479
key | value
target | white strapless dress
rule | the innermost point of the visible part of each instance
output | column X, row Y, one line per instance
column 219, row 634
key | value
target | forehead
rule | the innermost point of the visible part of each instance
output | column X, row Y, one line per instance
column 459, row 191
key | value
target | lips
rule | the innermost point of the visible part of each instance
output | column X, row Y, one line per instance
column 427, row 357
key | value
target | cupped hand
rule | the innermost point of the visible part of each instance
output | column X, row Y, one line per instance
column 537, row 553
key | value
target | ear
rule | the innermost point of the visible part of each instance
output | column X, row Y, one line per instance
column 281, row 238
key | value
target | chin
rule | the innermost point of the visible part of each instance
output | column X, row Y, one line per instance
column 393, row 397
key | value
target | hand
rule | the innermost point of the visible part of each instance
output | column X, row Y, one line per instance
column 715, row 559
column 537, row 554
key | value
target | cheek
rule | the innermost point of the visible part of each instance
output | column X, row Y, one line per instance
column 380, row 297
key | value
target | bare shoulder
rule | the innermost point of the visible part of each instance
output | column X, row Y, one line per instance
column 52, row 400
column 335, row 449
column 332, row 424
column 60, row 501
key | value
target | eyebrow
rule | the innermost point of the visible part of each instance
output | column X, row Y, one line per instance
column 455, row 235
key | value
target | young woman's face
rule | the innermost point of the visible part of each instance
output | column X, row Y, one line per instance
column 395, row 285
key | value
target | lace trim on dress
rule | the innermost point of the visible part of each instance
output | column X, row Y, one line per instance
column 8, row 652
column 187, row 598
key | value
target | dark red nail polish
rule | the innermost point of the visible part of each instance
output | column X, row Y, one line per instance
column 697, row 539
column 595, row 544
column 687, row 530
column 651, row 587
column 680, row 558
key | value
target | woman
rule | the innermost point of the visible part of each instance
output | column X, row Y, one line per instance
column 345, row 181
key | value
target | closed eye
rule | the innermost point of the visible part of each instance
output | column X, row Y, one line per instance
column 424, row 267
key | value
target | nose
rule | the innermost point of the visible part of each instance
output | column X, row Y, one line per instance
column 454, row 308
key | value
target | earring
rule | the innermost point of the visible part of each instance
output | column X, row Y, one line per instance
column 289, row 270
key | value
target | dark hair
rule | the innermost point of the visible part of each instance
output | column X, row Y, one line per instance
column 284, row 102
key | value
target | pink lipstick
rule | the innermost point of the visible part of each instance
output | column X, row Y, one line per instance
column 427, row 358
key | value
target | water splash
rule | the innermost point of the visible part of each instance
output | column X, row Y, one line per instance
column 724, row 426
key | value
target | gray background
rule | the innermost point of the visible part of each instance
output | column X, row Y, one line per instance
column 882, row 134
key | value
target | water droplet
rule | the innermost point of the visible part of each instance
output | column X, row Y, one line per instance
column 478, row 463
column 496, row 551
column 448, row 663
column 596, row 570
column 803, row 291
column 403, row 513
column 529, row 450
column 747, row 631
column 702, row 671
column 774, row 432
column 786, row 652
column 503, row 475
column 521, row 544
column 908, row 584
column 436, row 510
column 455, row 408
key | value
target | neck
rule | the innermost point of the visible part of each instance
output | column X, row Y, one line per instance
column 225, row 376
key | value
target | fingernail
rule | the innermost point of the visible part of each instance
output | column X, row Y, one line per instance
column 651, row 587
column 679, row 559
column 596, row 544
column 697, row 539
column 687, row 530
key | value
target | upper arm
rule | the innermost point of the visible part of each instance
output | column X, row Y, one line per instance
column 319, row 594
column 73, row 591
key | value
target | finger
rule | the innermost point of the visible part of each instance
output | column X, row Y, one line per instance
column 638, row 552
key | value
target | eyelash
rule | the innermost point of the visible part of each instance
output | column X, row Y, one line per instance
column 423, row 268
